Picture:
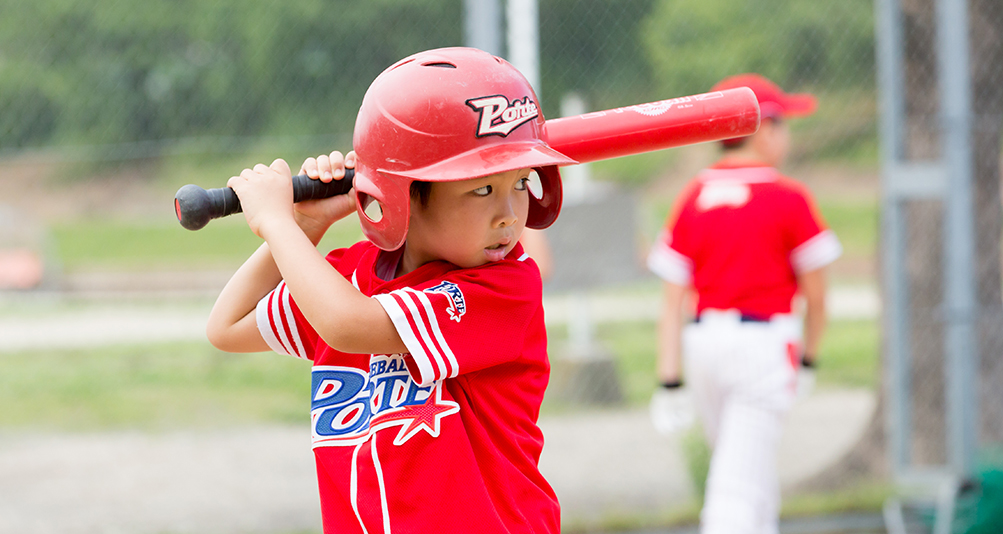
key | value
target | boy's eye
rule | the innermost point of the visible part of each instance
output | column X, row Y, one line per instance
column 523, row 184
column 482, row 191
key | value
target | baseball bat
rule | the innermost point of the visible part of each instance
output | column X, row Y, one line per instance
column 588, row 137
column 195, row 206
column 641, row 128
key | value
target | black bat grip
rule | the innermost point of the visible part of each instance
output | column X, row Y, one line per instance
column 195, row 206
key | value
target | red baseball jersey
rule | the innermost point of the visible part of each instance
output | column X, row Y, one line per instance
column 443, row 438
column 740, row 235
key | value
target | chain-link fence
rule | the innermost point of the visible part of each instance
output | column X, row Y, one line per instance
column 115, row 81
column 144, row 80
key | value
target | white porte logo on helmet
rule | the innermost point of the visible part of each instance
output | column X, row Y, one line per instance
column 499, row 117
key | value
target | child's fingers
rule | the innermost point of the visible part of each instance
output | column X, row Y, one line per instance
column 337, row 164
column 350, row 160
column 250, row 174
column 324, row 166
column 310, row 168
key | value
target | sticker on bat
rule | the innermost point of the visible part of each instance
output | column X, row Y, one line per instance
column 653, row 109
column 498, row 116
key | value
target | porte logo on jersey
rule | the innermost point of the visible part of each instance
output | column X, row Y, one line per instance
column 498, row 116
column 457, row 305
column 348, row 405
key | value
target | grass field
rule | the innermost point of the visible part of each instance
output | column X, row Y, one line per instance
column 192, row 385
column 118, row 245
column 150, row 387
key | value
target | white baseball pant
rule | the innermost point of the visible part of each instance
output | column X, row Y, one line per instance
column 742, row 377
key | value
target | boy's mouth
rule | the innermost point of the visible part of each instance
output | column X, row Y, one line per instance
column 496, row 252
column 500, row 244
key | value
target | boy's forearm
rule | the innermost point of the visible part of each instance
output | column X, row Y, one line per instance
column 813, row 286
column 343, row 317
column 232, row 325
column 815, row 322
column 669, row 363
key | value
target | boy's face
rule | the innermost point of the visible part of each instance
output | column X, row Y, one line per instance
column 470, row 222
column 773, row 141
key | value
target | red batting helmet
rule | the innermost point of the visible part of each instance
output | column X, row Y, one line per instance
column 446, row 115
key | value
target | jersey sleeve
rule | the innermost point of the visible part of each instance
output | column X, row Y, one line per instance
column 283, row 326
column 670, row 257
column 812, row 244
column 469, row 320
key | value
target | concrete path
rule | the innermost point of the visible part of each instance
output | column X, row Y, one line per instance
column 123, row 320
column 261, row 479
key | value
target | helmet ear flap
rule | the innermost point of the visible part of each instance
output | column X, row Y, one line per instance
column 384, row 210
column 543, row 210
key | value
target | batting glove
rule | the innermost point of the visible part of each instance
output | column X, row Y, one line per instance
column 806, row 377
column 671, row 409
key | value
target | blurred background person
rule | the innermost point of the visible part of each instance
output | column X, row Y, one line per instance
column 745, row 239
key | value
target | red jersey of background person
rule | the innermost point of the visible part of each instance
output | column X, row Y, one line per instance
column 459, row 411
column 740, row 234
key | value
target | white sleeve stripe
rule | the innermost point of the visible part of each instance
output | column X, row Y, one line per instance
column 434, row 323
column 290, row 322
column 817, row 252
column 265, row 325
column 409, row 299
column 278, row 314
column 400, row 321
column 670, row 265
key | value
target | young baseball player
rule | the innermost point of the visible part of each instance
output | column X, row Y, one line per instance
column 427, row 339
column 745, row 239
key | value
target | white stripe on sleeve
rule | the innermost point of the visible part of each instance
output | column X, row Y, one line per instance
column 434, row 324
column 816, row 252
column 289, row 319
column 280, row 320
column 265, row 326
column 409, row 298
column 670, row 265
column 400, row 320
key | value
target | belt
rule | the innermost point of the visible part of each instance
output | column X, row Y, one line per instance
column 743, row 318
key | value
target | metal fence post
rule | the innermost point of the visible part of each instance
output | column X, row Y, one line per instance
column 891, row 95
column 523, row 17
column 959, row 249
column 482, row 25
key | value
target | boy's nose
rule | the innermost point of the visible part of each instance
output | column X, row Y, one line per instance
column 506, row 213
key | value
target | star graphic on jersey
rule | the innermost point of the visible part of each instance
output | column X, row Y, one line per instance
column 413, row 418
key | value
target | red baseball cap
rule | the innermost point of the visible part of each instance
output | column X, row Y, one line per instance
column 773, row 101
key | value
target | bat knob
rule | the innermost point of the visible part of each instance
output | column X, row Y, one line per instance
column 193, row 207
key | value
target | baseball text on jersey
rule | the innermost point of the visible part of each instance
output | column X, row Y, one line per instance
column 348, row 405
column 498, row 116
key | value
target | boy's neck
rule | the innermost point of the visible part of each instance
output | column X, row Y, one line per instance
column 388, row 264
column 745, row 155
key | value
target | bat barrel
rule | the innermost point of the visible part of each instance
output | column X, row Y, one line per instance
column 655, row 126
